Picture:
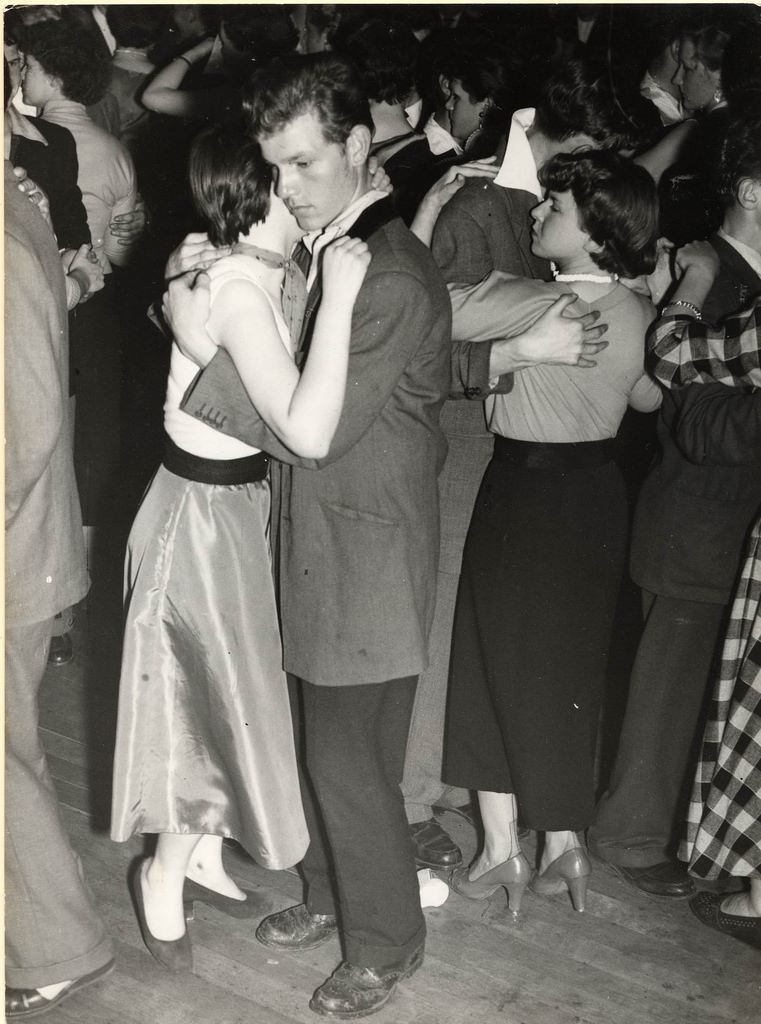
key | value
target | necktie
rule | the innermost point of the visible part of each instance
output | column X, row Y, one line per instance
column 295, row 290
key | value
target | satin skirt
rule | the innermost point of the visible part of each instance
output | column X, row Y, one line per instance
column 204, row 738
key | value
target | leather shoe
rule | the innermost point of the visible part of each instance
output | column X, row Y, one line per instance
column 707, row 907
column 667, row 880
column 21, row 1003
column 434, row 848
column 61, row 650
column 352, row 991
column 295, row 928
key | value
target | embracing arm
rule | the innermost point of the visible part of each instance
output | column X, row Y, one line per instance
column 302, row 410
column 377, row 359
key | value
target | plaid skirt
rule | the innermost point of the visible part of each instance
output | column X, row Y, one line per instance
column 724, row 817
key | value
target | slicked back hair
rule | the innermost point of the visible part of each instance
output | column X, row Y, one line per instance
column 578, row 99
column 325, row 84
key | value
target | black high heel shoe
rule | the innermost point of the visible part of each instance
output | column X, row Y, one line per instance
column 512, row 874
column 194, row 892
column 572, row 870
column 176, row 955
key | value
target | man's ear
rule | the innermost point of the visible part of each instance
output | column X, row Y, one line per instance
column 358, row 144
column 748, row 194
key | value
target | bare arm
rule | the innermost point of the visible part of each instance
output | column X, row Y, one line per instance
column 303, row 410
column 164, row 95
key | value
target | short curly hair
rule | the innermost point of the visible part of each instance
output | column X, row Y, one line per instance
column 617, row 203
column 72, row 56
column 230, row 183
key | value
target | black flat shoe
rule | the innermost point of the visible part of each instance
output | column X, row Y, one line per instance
column 21, row 1003
column 706, row 906
column 193, row 892
column 176, row 955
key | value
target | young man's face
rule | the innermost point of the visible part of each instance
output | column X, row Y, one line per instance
column 316, row 179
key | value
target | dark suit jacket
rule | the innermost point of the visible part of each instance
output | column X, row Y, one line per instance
column 55, row 169
column 359, row 529
column 698, row 502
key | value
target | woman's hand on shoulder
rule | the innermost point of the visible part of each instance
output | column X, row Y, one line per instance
column 186, row 307
column 344, row 266
column 700, row 258
column 193, row 254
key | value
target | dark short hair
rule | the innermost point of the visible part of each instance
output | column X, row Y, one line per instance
column 739, row 154
column 618, row 207
column 71, row 55
column 385, row 55
column 264, row 31
column 325, row 84
column 136, row 25
column 741, row 64
column 229, row 181
column 578, row 98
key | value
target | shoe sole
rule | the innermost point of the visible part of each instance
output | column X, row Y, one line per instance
column 658, row 897
column 415, row 966
column 76, row 986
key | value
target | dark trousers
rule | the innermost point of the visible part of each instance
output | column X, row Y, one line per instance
column 641, row 815
column 360, row 864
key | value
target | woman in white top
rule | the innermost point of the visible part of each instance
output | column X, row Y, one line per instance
column 204, row 745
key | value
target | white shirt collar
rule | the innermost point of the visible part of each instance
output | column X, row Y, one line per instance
column 129, row 59
column 315, row 241
column 518, row 168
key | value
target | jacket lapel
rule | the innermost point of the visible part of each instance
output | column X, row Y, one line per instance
column 368, row 222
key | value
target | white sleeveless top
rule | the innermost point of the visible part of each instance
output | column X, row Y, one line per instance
column 188, row 433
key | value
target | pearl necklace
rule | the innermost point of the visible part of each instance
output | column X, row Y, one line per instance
column 592, row 278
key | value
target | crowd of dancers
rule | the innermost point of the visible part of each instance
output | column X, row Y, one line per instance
column 379, row 309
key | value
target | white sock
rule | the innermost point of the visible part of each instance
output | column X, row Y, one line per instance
column 51, row 991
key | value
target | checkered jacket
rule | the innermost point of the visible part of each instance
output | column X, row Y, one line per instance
column 684, row 351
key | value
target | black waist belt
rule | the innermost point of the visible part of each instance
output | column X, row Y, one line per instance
column 224, row 472
column 546, row 455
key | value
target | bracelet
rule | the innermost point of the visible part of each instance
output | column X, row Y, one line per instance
column 188, row 62
column 687, row 305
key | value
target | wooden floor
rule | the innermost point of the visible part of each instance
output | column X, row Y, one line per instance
column 627, row 960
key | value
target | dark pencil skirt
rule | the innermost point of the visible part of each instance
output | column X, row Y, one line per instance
column 541, row 570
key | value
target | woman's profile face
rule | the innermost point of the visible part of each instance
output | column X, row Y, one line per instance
column 464, row 113
column 37, row 87
column 697, row 84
